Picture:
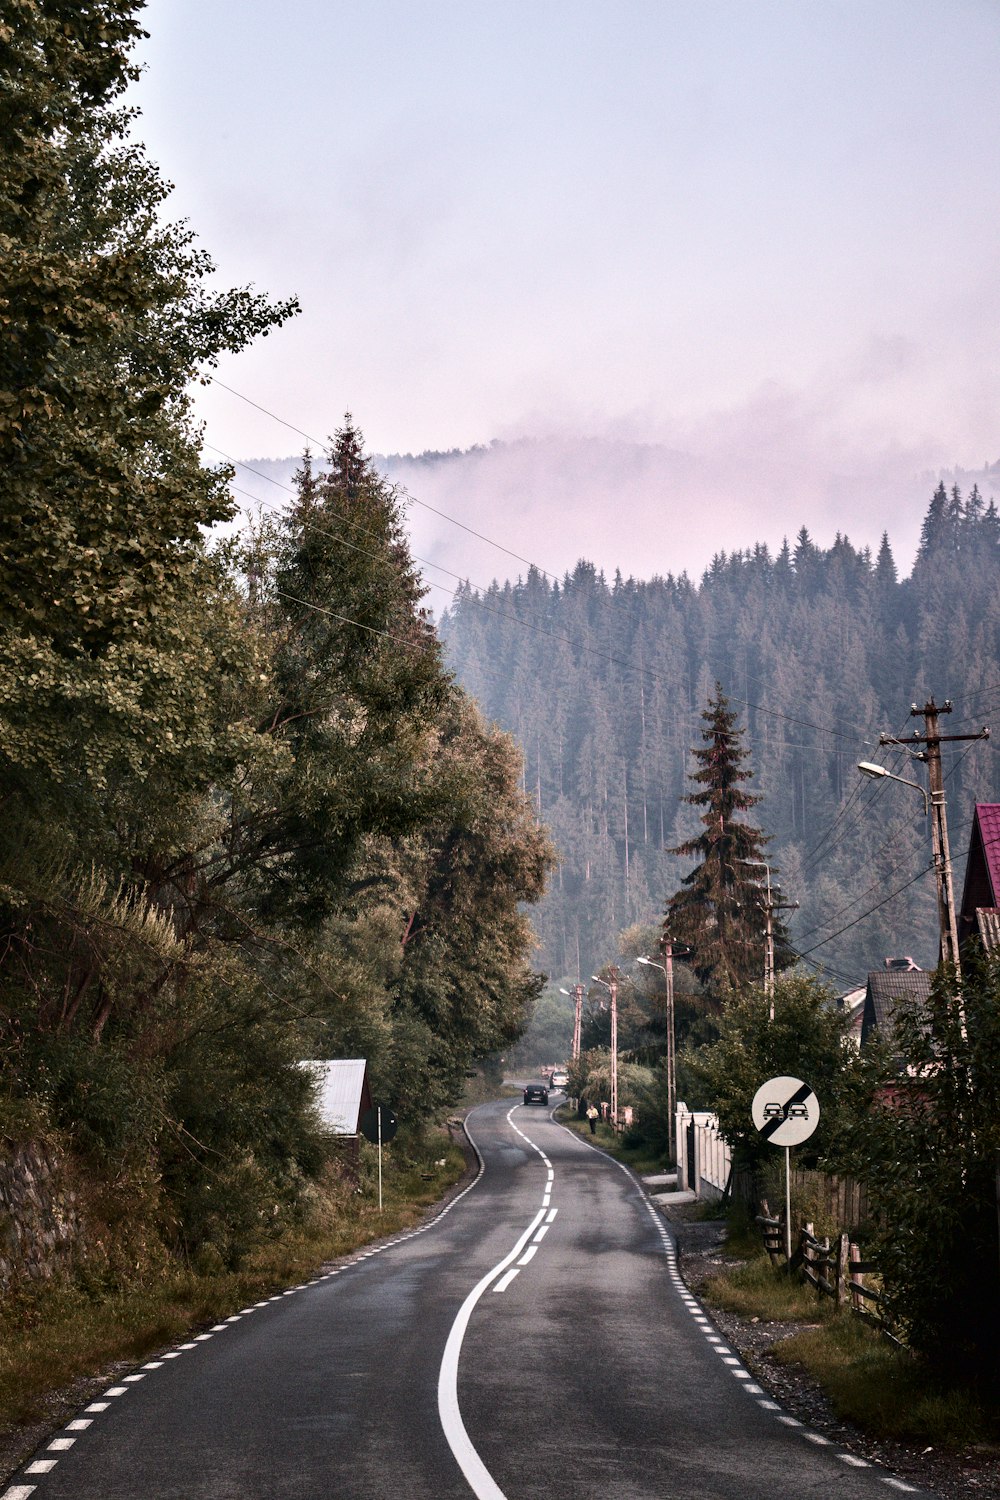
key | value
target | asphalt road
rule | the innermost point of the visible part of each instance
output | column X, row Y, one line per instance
column 533, row 1340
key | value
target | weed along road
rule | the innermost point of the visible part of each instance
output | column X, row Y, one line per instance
column 533, row 1340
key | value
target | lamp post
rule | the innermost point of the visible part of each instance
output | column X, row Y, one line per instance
column 942, row 863
column 667, row 970
column 933, row 739
column 577, row 996
column 611, row 985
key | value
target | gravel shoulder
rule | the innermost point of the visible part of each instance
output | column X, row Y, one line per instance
column 972, row 1474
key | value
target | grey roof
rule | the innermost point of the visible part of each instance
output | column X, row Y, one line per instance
column 886, row 989
column 342, row 1089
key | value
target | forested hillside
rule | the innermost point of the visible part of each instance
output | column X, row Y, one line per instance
column 248, row 818
column 603, row 681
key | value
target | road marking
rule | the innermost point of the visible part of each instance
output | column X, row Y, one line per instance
column 60, row 1445
column 19, row 1492
column 79, row 1424
column 531, row 1251
column 117, row 1390
column 131, row 1379
column 542, row 1232
column 98, row 1406
column 478, row 1477
column 854, row 1461
column 505, row 1281
column 898, row 1484
column 815, row 1437
column 551, row 1215
column 42, row 1466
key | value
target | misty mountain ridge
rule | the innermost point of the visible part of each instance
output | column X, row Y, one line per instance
column 642, row 508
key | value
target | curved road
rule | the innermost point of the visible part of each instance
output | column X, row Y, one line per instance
column 535, row 1339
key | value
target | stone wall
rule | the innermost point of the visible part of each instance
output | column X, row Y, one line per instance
column 41, row 1225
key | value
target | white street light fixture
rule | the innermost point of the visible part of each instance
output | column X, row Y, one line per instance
column 868, row 768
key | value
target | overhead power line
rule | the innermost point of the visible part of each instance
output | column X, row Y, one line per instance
column 413, row 499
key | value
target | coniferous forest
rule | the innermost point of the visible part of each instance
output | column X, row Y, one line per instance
column 603, row 681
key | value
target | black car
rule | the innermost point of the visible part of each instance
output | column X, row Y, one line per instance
column 536, row 1093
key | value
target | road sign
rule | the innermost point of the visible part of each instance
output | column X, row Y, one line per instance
column 785, row 1111
column 370, row 1124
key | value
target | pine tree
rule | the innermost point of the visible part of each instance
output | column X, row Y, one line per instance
column 718, row 909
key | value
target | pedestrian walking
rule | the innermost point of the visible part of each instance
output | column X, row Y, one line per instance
column 592, row 1116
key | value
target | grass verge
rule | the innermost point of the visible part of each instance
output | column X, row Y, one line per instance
column 880, row 1389
column 54, row 1333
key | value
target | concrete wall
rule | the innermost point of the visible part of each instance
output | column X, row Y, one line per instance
column 703, row 1156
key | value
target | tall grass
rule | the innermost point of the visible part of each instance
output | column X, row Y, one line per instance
column 883, row 1390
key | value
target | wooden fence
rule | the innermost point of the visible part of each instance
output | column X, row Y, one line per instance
column 834, row 1267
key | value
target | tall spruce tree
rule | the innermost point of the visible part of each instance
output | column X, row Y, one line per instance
column 718, row 910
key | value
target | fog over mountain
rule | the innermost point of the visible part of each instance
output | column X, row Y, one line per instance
column 643, row 508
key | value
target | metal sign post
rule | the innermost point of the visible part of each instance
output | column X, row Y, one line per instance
column 786, row 1112
column 378, row 1124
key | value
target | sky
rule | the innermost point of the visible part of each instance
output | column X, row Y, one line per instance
column 703, row 270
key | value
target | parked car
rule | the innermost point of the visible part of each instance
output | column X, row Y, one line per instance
column 559, row 1079
column 536, row 1093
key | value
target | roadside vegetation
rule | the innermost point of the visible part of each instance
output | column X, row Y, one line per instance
column 881, row 1389
column 248, row 817
column 53, row 1332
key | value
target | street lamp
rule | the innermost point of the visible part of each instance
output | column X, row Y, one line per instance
column 868, row 768
column 576, row 995
column 611, row 985
column 666, row 969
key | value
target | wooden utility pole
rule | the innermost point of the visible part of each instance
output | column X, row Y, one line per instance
column 933, row 740
column 577, row 1016
column 669, row 952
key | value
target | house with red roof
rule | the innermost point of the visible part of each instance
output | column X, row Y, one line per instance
column 979, row 913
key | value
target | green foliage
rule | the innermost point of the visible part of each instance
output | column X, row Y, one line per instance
column 548, row 1036
column 248, row 817
column 717, row 910
column 590, row 1079
column 807, row 1040
column 930, row 1151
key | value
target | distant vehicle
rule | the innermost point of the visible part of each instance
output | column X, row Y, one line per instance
column 559, row 1079
column 536, row 1093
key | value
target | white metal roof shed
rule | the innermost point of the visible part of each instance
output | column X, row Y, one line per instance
column 343, row 1094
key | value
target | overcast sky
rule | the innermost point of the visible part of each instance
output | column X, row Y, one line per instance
column 760, row 233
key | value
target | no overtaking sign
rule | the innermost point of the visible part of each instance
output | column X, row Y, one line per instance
column 785, row 1111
